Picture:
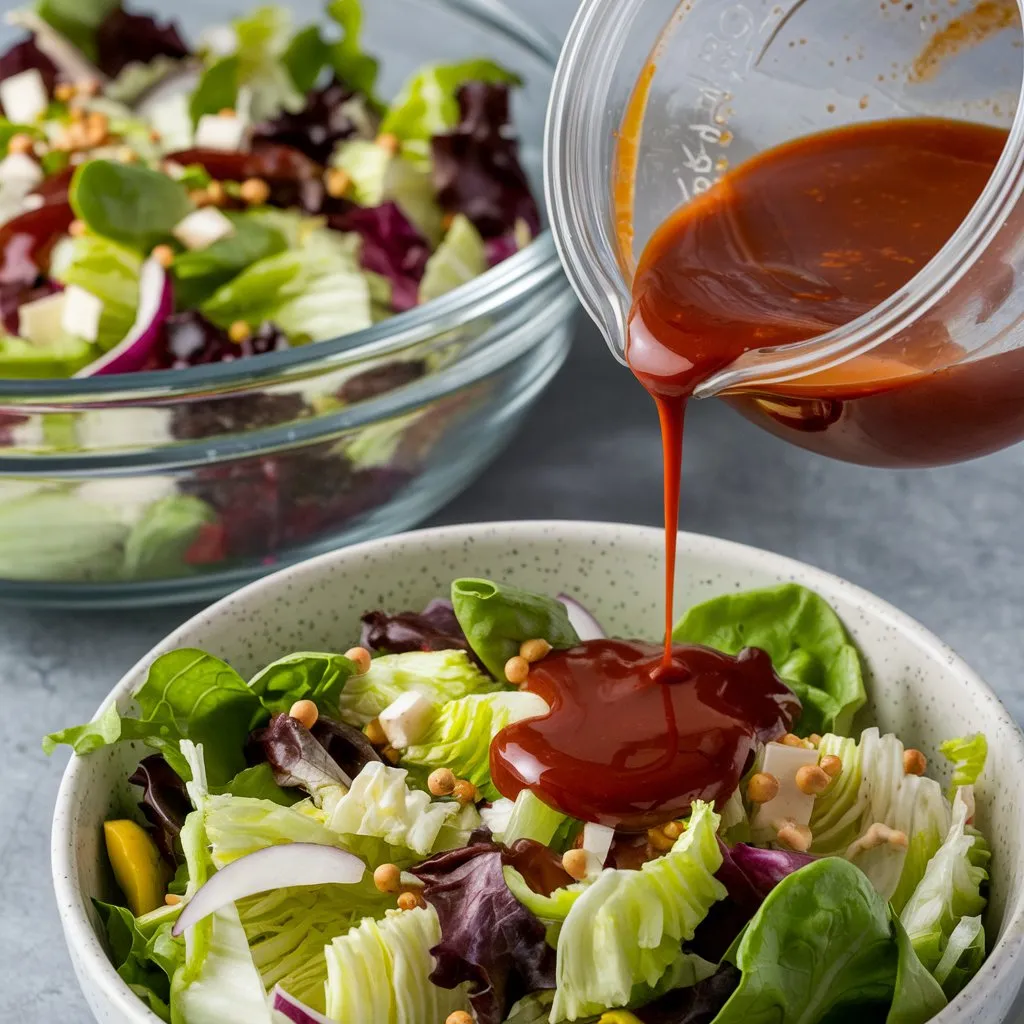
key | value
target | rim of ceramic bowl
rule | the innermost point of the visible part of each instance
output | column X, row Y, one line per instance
column 72, row 906
column 521, row 273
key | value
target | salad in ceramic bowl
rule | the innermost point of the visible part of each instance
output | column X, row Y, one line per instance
column 166, row 204
column 486, row 810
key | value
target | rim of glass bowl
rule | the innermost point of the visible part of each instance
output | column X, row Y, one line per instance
column 524, row 272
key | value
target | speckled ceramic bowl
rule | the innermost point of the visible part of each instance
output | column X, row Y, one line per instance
column 919, row 688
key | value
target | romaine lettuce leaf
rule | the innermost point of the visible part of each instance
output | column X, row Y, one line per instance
column 378, row 973
column 460, row 736
column 381, row 805
column 459, row 258
column 440, row 676
column 968, row 755
column 312, row 293
column 963, row 956
column 808, row 645
column 626, row 928
column 531, row 818
column 111, row 273
column 497, row 618
column 949, row 891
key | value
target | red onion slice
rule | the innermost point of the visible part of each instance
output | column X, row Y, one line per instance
column 291, row 1009
column 156, row 303
column 265, row 870
column 586, row 626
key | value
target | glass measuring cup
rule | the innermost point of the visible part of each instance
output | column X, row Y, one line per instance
column 654, row 100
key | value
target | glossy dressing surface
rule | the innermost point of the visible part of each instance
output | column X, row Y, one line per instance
column 631, row 745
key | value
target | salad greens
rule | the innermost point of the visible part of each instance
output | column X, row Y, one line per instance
column 507, row 909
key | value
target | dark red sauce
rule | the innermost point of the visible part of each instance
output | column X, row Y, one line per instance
column 627, row 747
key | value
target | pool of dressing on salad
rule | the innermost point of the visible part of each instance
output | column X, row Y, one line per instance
column 801, row 240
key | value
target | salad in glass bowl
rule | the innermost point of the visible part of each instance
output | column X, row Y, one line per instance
column 490, row 812
column 291, row 314
column 166, row 204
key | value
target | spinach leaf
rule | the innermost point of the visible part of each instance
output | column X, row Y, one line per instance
column 78, row 20
column 305, row 675
column 918, row 996
column 305, row 57
column 807, row 643
column 217, row 88
column 355, row 68
column 203, row 271
column 129, row 203
column 497, row 618
column 258, row 782
column 190, row 694
column 820, row 949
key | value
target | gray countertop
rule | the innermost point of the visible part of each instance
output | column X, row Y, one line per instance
column 945, row 545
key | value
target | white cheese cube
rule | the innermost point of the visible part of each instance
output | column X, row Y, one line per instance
column 82, row 312
column 791, row 804
column 220, row 131
column 597, row 841
column 202, row 228
column 407, row 719
column 19, row 171
column 24, row 97
column 42, row 320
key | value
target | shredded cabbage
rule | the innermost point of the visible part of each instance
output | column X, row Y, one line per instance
column 460, row 736
column 440, row 676
column 379, row 972
column 626, row 928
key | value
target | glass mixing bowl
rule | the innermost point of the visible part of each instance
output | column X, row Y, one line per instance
column 164, row 487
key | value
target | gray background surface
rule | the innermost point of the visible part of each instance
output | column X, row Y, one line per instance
column 946, row 545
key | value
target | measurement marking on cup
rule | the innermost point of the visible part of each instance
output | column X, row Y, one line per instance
column 696, row 157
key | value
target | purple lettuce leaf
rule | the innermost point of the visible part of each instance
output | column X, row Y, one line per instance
column 477, row 170
column 26, row 55
column 317, row 128
column 699, row 1004
column 750, row 874
column 434, row 629
column 379, row 380
column 124, row 38
column 165, row 803
column 392, row 247
column 189, row 339
column 333, row 754
column 488, row 938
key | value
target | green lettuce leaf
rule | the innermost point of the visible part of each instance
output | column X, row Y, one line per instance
column 460, row 736
column 111, row 273
column 143, row 951
column 626, row 928
column 77, row 20
column 497, row 618
column 381, row 805
column 963, row 956
column 967, row 755
column 289, row 928
column 312, row 293
column 552, row 909
column 24, row 360
column 258, row 782
column 949, row 891
column 224, row 987
column 917, row 996
column 158, row 542
column 532, row 819
column 354, row 67
column 128, row 203
column 808, row 645
column 427, row 105
column 305, row 57
column 379, row 972
column 217, row 88
column 820, row 944
column 441, row 676
column 459, row 258
column 305, row 675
